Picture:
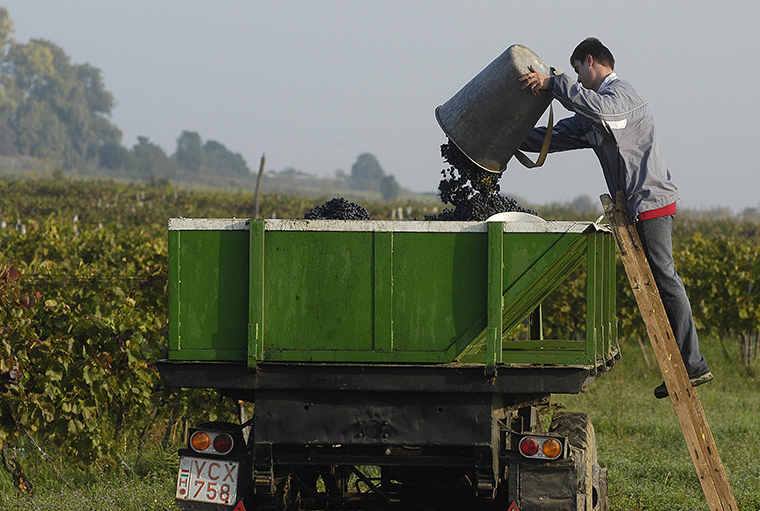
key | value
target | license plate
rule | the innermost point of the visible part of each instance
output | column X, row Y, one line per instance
column 207, row 480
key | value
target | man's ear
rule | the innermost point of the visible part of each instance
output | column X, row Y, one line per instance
column 590, row 60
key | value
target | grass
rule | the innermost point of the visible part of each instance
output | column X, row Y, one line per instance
column 148, row 485
column 638, row 436
column 640, row 441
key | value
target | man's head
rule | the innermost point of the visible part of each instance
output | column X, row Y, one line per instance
column 592, row 61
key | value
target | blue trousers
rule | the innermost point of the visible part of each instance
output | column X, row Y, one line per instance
column 657, row 242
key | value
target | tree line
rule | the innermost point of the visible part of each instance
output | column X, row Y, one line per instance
column 54, row 109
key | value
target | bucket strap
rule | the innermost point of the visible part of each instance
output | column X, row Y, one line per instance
column 544, row 147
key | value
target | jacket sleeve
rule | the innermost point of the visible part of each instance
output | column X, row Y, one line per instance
column 569, row 133
column 598, row 108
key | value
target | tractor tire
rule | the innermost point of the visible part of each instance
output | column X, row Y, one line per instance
column 592, row 479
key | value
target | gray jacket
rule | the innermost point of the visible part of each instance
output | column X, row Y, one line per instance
column 618, row 124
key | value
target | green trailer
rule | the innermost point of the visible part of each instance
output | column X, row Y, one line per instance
column 415, row 348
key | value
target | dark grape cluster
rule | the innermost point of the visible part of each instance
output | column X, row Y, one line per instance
column 472, row 191
column 338, row 209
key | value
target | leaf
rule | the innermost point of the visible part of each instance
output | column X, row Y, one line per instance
column 87, row 375
column 48, row 411
column 9, row 273
column 53, row 373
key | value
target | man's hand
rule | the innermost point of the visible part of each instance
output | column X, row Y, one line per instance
column 535, row 81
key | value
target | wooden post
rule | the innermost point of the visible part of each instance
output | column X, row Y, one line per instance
column 258, row 186
column 688, row 408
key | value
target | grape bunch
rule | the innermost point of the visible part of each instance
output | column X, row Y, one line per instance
column 338, row 209
column 472, row 191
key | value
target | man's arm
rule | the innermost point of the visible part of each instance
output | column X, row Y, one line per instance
column 569, row 133
column 592, row 105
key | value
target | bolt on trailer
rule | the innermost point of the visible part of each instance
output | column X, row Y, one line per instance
column 382, row 362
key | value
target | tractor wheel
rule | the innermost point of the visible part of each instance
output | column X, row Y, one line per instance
column 592, row 479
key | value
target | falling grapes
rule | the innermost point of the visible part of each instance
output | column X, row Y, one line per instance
column 472, row 191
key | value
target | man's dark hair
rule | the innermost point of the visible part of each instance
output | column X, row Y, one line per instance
column 594, row 47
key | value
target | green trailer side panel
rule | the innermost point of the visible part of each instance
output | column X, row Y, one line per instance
column 318, row 291
column 208, row 295
column 399, row 297
column 383, row 292
column 296, row 291
column 439, row 289
column 533, row 266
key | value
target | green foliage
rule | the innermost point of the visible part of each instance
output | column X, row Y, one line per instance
column 367, row 174
column 83, row 309
column 84, row 325
column 219, row 160
column 211, row 158
column 51, row 108
column 150, row 160
column 722, row 275
column 115, row 156
column 6, row 25
column 190, row 151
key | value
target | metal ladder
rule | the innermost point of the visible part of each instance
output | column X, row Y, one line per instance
column 688, row 408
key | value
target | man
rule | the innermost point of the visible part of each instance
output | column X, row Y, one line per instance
column 618, row 124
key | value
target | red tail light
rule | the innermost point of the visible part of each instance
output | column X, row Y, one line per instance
column 223, row 443
column 529, row 446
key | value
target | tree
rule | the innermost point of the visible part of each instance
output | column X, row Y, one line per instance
column 212, row 157
column 190, row 152
column 390, row 188
column 150, row 160
column 40, row 132
column 8, row 139
column 583, row 204
column 366, row 173
column 116, row 156
column 6, row 27
column 56, row 109
column 219, row 160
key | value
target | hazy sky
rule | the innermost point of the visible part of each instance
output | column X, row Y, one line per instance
column 315, row 84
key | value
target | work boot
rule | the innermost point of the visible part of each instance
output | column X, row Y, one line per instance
column 662, row 391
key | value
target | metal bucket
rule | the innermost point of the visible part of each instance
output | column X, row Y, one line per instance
column 490, row 117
